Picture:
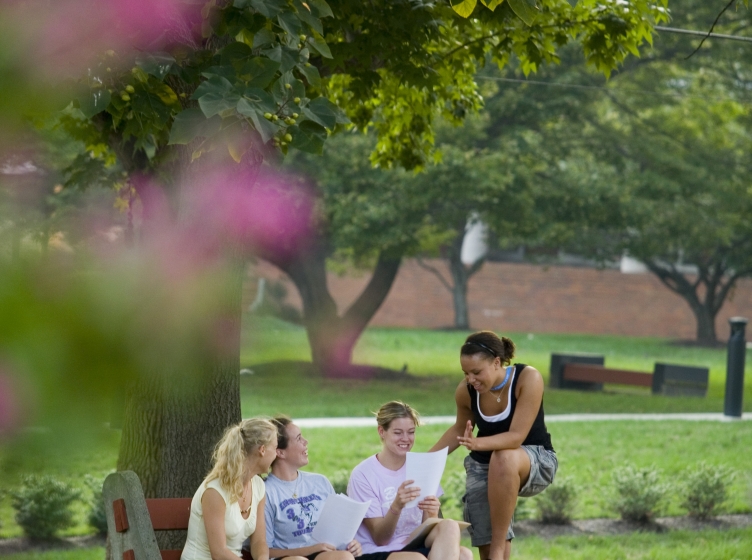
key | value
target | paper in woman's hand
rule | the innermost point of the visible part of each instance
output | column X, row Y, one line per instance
column 426, row 470
column 339, row 520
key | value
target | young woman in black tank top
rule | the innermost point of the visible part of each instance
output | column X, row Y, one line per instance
column 512, row 453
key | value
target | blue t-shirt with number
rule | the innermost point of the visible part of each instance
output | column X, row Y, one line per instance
column 293, row 509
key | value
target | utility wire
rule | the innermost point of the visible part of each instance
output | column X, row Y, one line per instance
column 703, row 34
column 610, row 90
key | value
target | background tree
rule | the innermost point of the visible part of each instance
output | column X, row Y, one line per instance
column 244, row 78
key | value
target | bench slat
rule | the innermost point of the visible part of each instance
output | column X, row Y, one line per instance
column 121, row 518
column 599, row 374
column 170, row 554
column 169, row 513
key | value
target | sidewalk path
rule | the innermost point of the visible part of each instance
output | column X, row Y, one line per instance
column 550, row 419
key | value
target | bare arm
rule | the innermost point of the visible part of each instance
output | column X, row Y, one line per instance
column 451, row 437
column 259, row 548
column 529, row 398
column 382, row 528
column 213, row 506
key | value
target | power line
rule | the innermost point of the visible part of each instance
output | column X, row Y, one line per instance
column 608, row 89
column 703, row 34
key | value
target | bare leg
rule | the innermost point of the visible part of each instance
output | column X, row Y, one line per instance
column 444, row 541
column 484, row 550
column 334, row 555
column 508, row 471
column 406, row 556
column 466, row 553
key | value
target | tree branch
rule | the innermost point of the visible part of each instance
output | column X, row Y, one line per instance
column 370, row 299
column 710, row 31
column 436, row 272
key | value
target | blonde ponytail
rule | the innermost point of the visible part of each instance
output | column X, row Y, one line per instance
column 230, row 453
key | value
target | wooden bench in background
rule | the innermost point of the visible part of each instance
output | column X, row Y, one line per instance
column 587, row 372
column 132, row 519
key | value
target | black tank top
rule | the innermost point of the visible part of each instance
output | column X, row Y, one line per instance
column 538, row 434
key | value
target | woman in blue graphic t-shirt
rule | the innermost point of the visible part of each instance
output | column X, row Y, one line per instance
column 294, row 500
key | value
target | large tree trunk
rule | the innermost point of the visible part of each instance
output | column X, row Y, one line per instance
column 333, row 337
column 170, row 430
column 174, row 419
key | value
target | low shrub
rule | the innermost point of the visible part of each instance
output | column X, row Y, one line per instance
column 556, row 505
column 42, row 505
column 97, row 515
column 705, row 489
column 524, row 509
column 339, row 481
column 639, row 492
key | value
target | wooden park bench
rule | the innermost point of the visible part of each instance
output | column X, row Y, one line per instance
column 132, row 519
column 588, row 373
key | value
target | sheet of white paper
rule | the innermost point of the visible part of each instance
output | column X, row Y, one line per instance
column 339, row 520
column 426, row 470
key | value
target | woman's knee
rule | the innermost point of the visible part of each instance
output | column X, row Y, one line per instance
column 406, row 556
column 448, row 528
column 466, row 553
column 505, row 461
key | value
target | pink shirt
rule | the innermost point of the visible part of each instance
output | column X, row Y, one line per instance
column 370, row 480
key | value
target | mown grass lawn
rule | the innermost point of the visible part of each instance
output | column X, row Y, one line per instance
column 432, row 357
column 587, row 451
column 705, row 545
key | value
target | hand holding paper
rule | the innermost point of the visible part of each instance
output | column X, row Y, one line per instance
column 339, row 520
column 426, row 470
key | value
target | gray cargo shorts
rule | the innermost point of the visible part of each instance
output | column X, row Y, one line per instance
column 476, row 511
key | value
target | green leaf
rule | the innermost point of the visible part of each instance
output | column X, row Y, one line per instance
column 526, row 10
column 464, row 8
column 264, row 127
column 322, row 8
column 260, row 71
column 268, row 8
column 263, row 37
column 261, row 99
column 290, row 23
column 492, row 4
column 191, row 123
column 289, row 59
column 324, row 112
column 216, row 95
column 213, row 84
column 311, row 74
column 305, row 15
column 320, row 47
column 93, row 102
column 236, row 52
column 308, row 137
column 156, row 64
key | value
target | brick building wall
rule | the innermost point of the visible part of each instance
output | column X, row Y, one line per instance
column 530, row 298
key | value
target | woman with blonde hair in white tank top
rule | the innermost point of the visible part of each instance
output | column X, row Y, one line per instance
column 228, row 506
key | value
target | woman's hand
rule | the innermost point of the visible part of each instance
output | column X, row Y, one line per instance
column 354, row 548
column 430, row 506
column 468, row 439
column 405, row 494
